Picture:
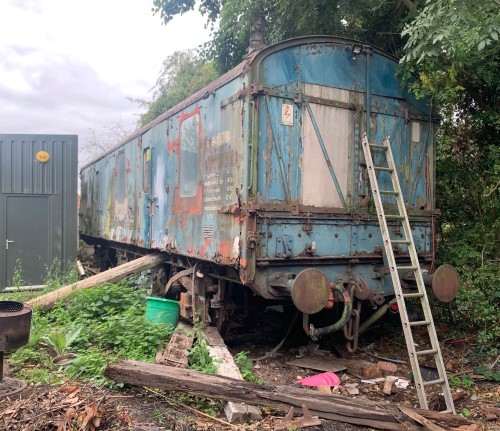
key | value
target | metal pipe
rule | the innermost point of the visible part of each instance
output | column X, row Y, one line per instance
column 316, row 333
column 376, row 316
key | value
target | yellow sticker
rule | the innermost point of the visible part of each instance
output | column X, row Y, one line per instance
column 42, row 156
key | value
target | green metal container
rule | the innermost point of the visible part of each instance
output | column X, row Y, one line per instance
column 159, row 310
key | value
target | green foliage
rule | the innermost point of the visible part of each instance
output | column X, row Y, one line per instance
column 182, row 74
column 91, row 365
column 465, row 413
column 245, row 365
column 374, row 21
column 493, row 375
column 60, row 341
column 199, row 356
column 465, row 382
column 452, row 45
column 111, row 325
column 17, row 276
column 56, row 278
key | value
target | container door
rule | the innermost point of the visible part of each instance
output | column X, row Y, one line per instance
column 27, row 242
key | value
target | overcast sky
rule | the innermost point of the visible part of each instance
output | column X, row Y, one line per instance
column 68, row 66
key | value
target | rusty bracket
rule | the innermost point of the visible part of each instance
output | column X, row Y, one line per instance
column 307, row 420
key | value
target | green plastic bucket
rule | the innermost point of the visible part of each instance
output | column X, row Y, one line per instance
column 159, row 310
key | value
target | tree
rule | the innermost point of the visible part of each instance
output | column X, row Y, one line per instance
column 452, row 45
column 98, row 143
column 182, row 74
column 376, row 21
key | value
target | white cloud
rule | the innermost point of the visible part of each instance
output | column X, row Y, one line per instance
column 68, row 66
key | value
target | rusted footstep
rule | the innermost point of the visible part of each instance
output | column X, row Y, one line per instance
column 307, row 420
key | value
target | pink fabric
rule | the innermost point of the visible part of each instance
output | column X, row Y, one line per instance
column 323, row 379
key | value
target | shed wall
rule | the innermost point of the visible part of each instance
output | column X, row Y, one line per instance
column 45, row 235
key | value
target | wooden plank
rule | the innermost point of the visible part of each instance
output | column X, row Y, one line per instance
column 420, row 419
column 112, row 275
column 320, row 363
column 176, row 353
column 235, row 412
column 360, row 412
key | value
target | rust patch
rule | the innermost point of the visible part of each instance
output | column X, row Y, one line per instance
column 224, row 249
column 174, row 146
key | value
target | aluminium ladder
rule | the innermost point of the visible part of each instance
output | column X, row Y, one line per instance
column 421, row 294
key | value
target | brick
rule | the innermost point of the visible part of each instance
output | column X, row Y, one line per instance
column 241, row 413
column 387, row 367
column 363, row 369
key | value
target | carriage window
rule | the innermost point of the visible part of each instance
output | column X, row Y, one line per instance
column 120, row 173
column 146, row 170
column 190, row 143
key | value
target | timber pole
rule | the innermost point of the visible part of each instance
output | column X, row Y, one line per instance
column 47, row 301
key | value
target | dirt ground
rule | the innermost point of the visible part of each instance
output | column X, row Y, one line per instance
column 77, row 405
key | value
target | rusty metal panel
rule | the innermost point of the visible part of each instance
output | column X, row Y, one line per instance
column 38, row 173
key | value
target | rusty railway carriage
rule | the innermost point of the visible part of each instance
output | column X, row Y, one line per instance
column 257, row 183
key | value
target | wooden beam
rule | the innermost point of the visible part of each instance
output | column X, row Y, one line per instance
column 112, row 275
column 420, row 419
column 354, row 411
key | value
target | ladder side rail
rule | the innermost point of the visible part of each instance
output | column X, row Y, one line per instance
column 394, row 273
column 420, row 282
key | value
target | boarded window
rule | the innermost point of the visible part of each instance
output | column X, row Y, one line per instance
column 120, row 173
column 190, row 144
column 97, row 187
column 146, row 170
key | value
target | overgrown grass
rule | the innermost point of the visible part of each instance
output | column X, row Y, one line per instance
column 112, row 324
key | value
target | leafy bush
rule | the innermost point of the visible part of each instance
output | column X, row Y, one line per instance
column 112, row 325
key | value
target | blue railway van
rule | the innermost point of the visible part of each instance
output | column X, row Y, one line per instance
column 256, row 186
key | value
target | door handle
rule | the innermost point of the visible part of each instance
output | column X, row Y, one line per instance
column 7, row 243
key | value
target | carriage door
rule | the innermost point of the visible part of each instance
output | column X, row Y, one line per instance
column 148, row 199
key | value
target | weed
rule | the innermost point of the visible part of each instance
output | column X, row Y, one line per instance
column 61, row 342
column 55, row 277
column 38, row 376
column 209, row 406
column 465, row 382
column 489, row 374
column 245, row 365
column 90, row 365
column 199, row 355
column 17, row 275
column 465, row 413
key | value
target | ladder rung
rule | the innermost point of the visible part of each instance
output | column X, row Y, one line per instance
column 400, row 241
column 420, row 323
column 394, row 217
column 434, row 382
column 378, row 147
column 407, row 268
column 413, row 295
column 388, row 192
column 383, row 169
column 426, row 352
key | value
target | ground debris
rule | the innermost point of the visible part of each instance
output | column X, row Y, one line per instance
column 65, row 408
